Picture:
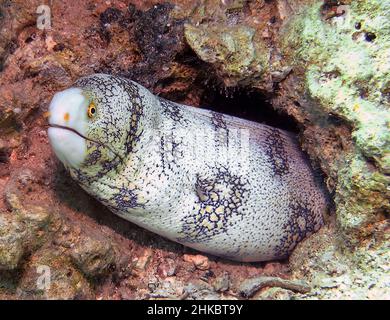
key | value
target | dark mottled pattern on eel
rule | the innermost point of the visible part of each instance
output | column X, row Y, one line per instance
column 276, row 152
column 216, row 183
column 220, row 198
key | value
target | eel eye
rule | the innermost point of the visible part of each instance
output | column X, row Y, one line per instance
column 91, row 110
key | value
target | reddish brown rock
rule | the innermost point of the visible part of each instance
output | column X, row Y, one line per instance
column 144, row 41
column 200, row 262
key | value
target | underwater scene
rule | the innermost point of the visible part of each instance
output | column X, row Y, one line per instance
column 195, row 150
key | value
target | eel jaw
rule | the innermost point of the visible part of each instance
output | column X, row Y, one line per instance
column 68, row 145
column 68, row 125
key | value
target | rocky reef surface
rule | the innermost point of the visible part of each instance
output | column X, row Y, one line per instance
column 322, row 67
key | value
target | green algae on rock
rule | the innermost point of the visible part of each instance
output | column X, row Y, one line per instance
column 93, row 257
column 335, row 274
column 11, row 243
column 344, row 64
column 64, row 280
column 231, row 49
column 24, row 229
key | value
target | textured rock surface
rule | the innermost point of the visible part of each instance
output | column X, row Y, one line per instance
column 232, row 50
column 323, row 63
column 11, row 243
column 342, row 62
column 336, row 274
column 340, row 58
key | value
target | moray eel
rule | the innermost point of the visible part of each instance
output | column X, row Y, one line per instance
column 219, row 184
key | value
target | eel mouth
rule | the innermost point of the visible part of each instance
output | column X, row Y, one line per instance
column 72, row 130
column 86, row 138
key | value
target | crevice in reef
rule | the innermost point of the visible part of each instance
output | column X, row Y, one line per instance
column 250, row 105
column 211, row 94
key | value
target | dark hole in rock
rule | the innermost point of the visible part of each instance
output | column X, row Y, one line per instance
column 335, row 120
column 239, row 102
column 370, row 37
column 4, row 155
column 110, row 15
column 59, row 47
column 250, row 105
column 30, row 39
column 358, row 25
column 371, row 164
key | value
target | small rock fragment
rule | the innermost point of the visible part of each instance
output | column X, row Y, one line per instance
column 200, row 262
column 144, row 260
column 275, row 294
column 250, row 286
column 200, row 290
column 93, row 256
column 167, row 268
column 284, row 9
column 222, row 283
